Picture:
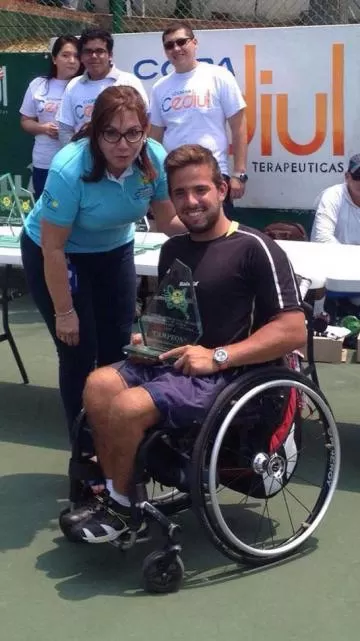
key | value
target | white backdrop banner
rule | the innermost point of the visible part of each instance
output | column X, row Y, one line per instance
column 302, row 88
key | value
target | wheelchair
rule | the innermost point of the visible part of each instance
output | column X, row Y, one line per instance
column 259, row 473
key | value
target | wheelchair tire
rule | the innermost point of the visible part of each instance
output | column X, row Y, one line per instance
column 163, row 572
column 293, row 472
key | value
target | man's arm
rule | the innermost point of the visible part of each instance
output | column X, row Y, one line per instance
column 157, row 133
column 283, row 334
column 237, row 124
column 323, row 230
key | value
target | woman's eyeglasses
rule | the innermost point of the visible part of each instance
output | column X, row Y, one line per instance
column 180, row 42
column 131, row 135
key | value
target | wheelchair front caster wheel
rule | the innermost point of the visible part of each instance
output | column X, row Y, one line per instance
column 163, row 572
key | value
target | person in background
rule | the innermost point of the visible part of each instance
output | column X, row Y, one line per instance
column 194, row 104
column 96, row 49
column 337, row 218
column 41, row 103
column 78, row 241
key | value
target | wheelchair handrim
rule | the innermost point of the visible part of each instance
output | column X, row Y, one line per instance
column 331, row 479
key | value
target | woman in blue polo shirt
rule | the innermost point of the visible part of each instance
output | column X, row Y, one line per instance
column 77, row 245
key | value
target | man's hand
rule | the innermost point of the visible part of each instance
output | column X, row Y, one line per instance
column 192, row 360
column 237, row 188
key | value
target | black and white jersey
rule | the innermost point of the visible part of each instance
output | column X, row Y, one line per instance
column 242, row 281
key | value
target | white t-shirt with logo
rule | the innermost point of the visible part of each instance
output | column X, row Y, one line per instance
column 337, row 218
column 41, row 101
column 194, row 107
column 80, row 95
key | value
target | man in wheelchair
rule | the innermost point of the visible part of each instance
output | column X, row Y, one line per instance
column 251, row 313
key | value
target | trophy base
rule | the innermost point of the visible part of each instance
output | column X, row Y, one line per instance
column 143, row 353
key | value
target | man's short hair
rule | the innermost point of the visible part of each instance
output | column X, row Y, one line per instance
column 99, row 34
column 354, row 166
column 192, row 155
column 175, row 26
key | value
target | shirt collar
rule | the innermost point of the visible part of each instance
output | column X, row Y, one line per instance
column 128, row 172
column 114, row 74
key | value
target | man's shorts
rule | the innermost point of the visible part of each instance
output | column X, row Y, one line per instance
column 181, row 400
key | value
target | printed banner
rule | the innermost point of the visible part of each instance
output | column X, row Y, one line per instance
column 300, row 85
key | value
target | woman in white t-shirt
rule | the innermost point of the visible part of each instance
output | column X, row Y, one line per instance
column 40, row 105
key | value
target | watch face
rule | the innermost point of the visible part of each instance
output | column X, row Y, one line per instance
column 220, row 355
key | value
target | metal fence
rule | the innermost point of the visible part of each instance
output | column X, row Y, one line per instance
column 27, row 25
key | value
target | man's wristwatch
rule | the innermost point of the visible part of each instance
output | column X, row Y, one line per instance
column 240, row 175
column 220, row 356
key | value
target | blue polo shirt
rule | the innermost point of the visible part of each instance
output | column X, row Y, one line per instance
column 101, row 214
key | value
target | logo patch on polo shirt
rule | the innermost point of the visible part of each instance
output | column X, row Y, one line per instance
column 49, row 201
column 144, row 193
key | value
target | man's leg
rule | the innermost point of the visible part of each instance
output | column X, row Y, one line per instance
column 102, row 386
column 132, row 413
column 119, row 417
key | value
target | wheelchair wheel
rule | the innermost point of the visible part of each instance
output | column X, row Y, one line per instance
column 169, row 500
column 163, row 572
column 161, row 494
column 271, row 450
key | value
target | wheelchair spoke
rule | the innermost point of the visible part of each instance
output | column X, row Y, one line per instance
column 307, row 481
column 269, row 520
column 270, row 523
column 288, row 510
column 286, row 489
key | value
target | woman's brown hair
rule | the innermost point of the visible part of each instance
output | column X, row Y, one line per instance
column 111, row 101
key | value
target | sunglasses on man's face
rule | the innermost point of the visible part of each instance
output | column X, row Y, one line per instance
column 180, row 42
column 356, row 176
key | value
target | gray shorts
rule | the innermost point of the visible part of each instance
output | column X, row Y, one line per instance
column 181, row 400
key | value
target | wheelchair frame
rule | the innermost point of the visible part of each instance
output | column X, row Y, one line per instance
column 163, row 569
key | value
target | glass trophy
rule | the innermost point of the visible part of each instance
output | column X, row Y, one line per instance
column 171, row 319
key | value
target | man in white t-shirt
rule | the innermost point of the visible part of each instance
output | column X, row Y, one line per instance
column 194, row 103
column 96, row 48
column 337, row 218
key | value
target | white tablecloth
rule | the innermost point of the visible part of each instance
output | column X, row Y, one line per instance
column 335, row 266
